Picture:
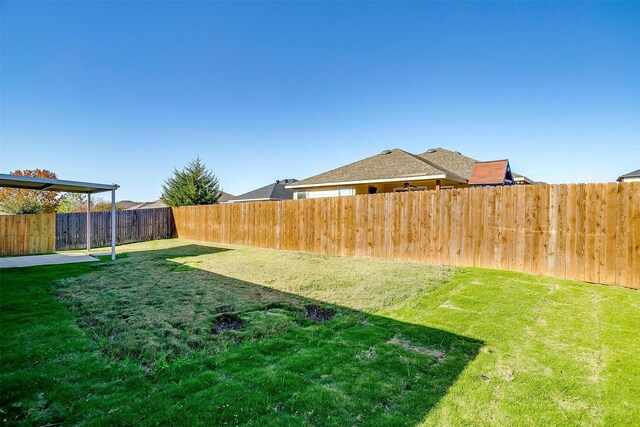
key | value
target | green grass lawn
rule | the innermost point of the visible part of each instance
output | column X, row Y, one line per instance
column 177, row 332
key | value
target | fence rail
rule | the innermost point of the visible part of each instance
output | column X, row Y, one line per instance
column 131, row 226
column 588, row 232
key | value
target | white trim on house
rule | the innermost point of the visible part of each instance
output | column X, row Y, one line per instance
column 252, row 200
column 631, row 179
column 374, row 181
column 320, row 193
column 523, row 179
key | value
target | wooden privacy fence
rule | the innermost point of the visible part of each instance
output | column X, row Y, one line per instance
column 34, row 234
column 131, row 226
column 588, row 232
column 27, row 234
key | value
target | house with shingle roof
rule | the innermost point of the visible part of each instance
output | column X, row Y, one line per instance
column 630, row 177
column 225, row 197
column 130, row 205
column 126, row 204
column 147, row 205
column 393, row 171
column 462, row 164
column 273, row 191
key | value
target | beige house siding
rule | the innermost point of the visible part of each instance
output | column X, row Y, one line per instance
column 318, row 192
column 357, row 189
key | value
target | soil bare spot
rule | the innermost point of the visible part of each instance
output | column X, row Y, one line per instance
column 318, row 314
column 226, row 321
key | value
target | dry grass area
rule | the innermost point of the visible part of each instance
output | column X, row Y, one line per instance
column 156, row 305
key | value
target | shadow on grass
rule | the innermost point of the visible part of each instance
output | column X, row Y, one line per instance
column 185, row 345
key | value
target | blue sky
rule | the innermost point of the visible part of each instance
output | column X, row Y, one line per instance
column 124, row 91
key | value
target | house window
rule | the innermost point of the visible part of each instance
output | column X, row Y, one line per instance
column 373, row 190
column 301, row 194
column 346, row 192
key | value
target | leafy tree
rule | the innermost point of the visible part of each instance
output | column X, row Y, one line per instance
column 72, row 202
column 21, row 201
column 101, row 204
column 193, row 185
column 77, row 202
column 24, row 205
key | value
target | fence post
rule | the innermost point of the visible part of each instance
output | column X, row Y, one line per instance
column 113, row 225
column 88, row 222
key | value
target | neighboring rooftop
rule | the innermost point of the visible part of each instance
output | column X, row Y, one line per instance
column 495, row 172
column 126, row 204
column 634, row 174
column 129, row 205
column 274, row 191
column 148, row 205
column 459, row 163
column 397, row 164
column 451, row 160
column 393, row 164
column 225, row 197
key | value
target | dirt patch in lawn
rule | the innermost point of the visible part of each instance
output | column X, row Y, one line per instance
column 409, row 346
column 318, row 314
column 226, row 321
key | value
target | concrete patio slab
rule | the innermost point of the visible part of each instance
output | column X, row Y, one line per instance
column 32, row 260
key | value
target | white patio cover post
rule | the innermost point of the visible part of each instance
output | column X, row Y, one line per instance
column 88, row 222
column 113, row 225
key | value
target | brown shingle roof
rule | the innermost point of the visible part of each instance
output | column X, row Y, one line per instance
column 390, row 164
column 457, row 163
column 399, row 164
column 488, row 173
column 451, row 160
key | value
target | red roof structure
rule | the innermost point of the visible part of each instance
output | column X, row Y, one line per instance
column 496, row 172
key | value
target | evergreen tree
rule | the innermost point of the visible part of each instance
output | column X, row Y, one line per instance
column 193, row 185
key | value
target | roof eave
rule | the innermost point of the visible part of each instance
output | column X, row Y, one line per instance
column 486, row 183
column 265, row 199
column 449, row 177
column 524, row 179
